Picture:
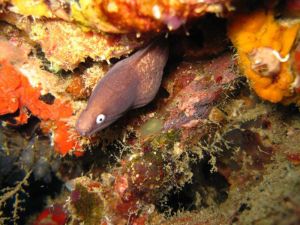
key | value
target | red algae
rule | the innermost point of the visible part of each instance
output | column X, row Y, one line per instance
column 195, row 91
column 52, row 216
column 17, row 93
column 139, row 221
column 294, row 158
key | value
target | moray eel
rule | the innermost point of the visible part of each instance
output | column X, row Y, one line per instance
column 130, row 83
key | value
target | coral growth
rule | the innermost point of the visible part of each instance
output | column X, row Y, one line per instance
column 34, row 8
column 75, row 45
column 18, row 94
column 126, row 194
column 195, row 93
column 122, row 16
column 142, row 16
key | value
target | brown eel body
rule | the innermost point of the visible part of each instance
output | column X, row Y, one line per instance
column 130, row 83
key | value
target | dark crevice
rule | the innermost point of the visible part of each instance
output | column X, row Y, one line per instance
column 205, row 183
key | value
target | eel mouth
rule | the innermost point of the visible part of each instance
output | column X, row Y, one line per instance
column 83, row 125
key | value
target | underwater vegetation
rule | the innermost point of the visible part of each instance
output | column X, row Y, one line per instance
column 149, row 112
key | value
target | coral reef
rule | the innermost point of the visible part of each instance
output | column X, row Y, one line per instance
column 219, row 144
column 75, row 45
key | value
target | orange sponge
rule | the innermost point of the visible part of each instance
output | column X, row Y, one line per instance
column 17, row 93
column 259, row 31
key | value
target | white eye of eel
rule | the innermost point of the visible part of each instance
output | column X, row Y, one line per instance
column 100, row 118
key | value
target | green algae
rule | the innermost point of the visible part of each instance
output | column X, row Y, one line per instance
column 89, row 207
column 151, row 127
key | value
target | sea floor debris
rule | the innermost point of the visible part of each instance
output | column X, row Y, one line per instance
column 218, row 145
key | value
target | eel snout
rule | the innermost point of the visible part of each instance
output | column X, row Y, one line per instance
column 83, row 125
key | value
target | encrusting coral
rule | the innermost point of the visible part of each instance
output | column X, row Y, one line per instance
column 121, row 16
column 75, row 45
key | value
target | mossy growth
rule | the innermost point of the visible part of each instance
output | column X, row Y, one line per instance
column 164, row 140
column 151, row 127
column 149, row 176
column 88, row 205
